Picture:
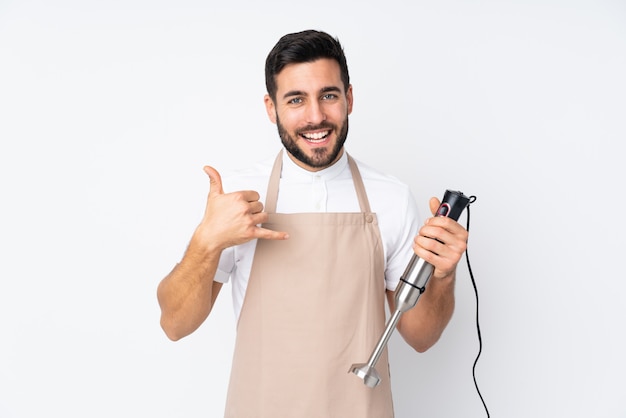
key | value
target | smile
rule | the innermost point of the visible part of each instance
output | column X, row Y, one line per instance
column 315, row 138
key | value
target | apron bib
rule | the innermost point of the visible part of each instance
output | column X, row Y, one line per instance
column 314, row 305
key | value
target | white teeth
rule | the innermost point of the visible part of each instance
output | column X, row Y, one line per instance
column 316, row 137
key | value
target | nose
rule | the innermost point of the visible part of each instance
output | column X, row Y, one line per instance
column 315, row 113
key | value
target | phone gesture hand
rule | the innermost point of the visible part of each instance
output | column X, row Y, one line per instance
column 234, row 218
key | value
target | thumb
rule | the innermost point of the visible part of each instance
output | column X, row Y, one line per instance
column 216, row 180
column 434, row 204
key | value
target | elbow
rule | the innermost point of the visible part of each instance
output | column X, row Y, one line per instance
column 421, row 345
column 172, row 337
column 421, row 348
column 422, row 338
column 170, row 326
column 171, row 331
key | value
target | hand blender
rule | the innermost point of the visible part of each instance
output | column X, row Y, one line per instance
column 410, row 287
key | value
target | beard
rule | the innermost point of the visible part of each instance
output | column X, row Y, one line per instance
column 323, row 156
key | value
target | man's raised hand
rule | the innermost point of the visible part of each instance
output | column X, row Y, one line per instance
column 233, row 218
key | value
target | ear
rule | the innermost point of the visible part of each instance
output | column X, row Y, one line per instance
column 349, row 98
column 270, row 108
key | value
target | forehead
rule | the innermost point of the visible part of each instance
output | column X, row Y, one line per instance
column 309, row 76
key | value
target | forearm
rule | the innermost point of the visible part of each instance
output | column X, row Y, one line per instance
column 422, row 326
column 186, row 295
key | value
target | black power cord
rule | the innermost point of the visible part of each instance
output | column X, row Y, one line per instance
column 480, row 339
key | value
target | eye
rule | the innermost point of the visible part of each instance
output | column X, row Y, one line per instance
column 295, row 100
column 329, row 96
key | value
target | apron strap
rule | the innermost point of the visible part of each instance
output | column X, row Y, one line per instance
column 272, row 187
column 364, row 203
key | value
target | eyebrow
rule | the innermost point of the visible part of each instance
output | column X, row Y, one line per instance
column 328, row 89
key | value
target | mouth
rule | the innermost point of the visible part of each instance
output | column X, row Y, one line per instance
column 316, row 138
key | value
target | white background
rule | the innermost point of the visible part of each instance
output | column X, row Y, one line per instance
column 109, row 110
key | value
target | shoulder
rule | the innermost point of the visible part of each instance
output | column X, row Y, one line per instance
column 251, row 177
column 381, row 182
column 390, row 197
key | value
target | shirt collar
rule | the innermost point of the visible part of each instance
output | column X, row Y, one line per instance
column 293, row 172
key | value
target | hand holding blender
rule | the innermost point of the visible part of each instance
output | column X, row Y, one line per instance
column 410, row 287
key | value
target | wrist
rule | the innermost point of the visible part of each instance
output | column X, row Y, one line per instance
column 444, row 278
column 201, row 248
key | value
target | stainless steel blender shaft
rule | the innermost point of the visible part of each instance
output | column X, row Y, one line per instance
column 367, row 371
column 408, row 291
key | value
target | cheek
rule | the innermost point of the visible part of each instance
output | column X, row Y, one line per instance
column 289, row 120
column 337, row 112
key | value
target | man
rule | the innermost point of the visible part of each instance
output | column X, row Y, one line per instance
column 310, row 268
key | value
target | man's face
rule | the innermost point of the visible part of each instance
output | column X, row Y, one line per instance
column 311, row 112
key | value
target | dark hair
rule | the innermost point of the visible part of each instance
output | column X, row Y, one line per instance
column 306, row 46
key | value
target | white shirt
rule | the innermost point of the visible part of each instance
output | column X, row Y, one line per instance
column 328, row 190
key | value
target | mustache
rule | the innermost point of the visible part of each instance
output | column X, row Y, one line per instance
column 318, row 127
